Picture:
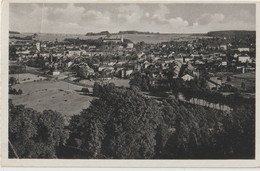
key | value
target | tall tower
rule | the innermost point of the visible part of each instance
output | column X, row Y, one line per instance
column 38, row 47
column 122, row 39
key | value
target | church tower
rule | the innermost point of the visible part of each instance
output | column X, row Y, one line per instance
column 122, row 39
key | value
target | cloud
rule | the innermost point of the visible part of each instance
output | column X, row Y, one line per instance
column 207, row 18
column 130, row 13
column 95, row 17
column 160, row 17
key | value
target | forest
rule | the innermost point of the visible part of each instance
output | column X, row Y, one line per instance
column 121, row 123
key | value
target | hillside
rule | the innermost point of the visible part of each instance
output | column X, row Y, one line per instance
column 231, row 33
column 14, row 32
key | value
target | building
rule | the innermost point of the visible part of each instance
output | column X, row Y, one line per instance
column 223, row 47
column 244, row 59
column 55, row 73
column 130, row 46
column 113, row 39
column 124, row 73
column 224, row 63
column 74, row 52
column 243, row 49
column 187, row 77
column 214, row 83
column 38, row 46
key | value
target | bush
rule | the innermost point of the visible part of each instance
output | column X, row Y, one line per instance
column 85, row 90
column 20, row 92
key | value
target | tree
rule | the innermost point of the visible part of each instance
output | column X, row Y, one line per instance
column 12, row 81
column 12, row 52
column 34, row 134
column 228, row 78
column 85, row 90
column 243, row 85
column 120, row 124
column 97, row 89
column 20, row 92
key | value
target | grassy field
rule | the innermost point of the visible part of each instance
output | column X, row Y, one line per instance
column 117, row 82
column 55, row 95
column 148, row 38
column 247, row 78
column 26, row 77
column 248, row 75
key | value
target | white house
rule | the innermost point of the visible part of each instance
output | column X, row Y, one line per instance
column 243, row 49
column 130, row 46
column 223, row 47
column 187, row 77
column 244, row 59
column 224, row 63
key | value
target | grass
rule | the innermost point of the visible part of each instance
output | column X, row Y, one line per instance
column 117, row 82
column 26, row 77
column 55, row 95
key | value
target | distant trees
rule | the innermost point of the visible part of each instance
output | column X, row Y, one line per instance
column 34, row 134
column 12, row 52
column 243, row 85
column 82, row 71
column 14, row 91
column 140, row 81
column 85, row 90
column 228, row 78
column 13, row 81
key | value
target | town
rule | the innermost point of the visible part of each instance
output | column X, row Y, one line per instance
column 214, row 63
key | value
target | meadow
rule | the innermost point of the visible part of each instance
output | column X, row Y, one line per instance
column 27, row 77
column 59, row 96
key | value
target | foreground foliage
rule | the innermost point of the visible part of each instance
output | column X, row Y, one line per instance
column 123, row 124
column 33, row 134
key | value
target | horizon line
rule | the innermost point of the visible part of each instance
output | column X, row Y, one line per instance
column 129, row 31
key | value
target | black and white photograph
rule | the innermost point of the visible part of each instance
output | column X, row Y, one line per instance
column 157, row 81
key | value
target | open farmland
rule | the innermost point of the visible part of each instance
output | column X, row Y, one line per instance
column 55, row 95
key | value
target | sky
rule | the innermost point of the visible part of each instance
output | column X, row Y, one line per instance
column 81, row 18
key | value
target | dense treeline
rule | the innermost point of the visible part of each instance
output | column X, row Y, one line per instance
column 123, row 124
column 34, row 134
column 196, row 88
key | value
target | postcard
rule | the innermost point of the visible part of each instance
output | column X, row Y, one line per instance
column 129, row 83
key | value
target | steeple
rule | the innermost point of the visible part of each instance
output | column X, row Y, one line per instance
column 122, row 39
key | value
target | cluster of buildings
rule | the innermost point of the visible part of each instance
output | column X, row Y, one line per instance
column 115, row 57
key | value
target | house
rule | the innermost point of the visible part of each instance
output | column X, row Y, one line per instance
column 113, row 39
column 146, row 64
column 195, row 55
column 74, row 53
column 177, row 69
column 224, row 63
column 244, row 59
column 69, row 63
column 55, row 73
column 223, row 47
column 92, row 47
column 243, row 49
column 214, row 83
column 124, row 73
column 24, row 52
column 140, row 55
column 130, row 46
column 187, row 77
